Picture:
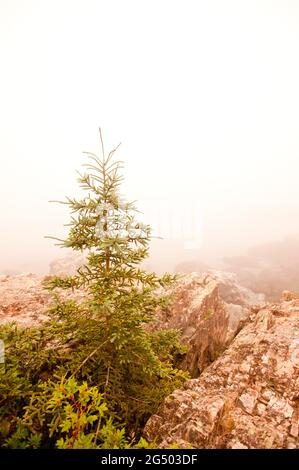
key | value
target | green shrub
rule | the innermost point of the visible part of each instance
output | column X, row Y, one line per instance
column 113, row 370
column 69, row 416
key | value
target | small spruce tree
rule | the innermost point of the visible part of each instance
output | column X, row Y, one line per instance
column 132, row 366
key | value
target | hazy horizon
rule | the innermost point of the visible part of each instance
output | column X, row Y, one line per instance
column 203, row 95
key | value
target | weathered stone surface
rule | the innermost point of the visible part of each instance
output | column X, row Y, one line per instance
column 24, row 300
column 248, row 398
column 208, row 323
column 232, row 292
column 287, row 295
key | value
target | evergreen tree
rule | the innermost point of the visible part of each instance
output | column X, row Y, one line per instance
column 132, row 366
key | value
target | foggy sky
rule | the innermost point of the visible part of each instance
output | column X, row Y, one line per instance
column 203, row 95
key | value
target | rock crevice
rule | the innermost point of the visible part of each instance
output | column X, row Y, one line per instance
column 248, row 398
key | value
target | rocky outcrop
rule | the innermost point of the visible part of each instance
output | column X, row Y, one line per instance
column 232, row 292
column 208, row 324
column 269, row 268
column 245, row 358
column 191, row 266
column 24, row 300
column 209, row 310
column 249, row 397
column 67, row 265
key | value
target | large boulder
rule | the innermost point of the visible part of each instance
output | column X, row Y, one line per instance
column 249, row 397
column 209, row 310
column 67, row 265
column 24, row 300
column 269, row 267
column 232, row 292
column 190, row 266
